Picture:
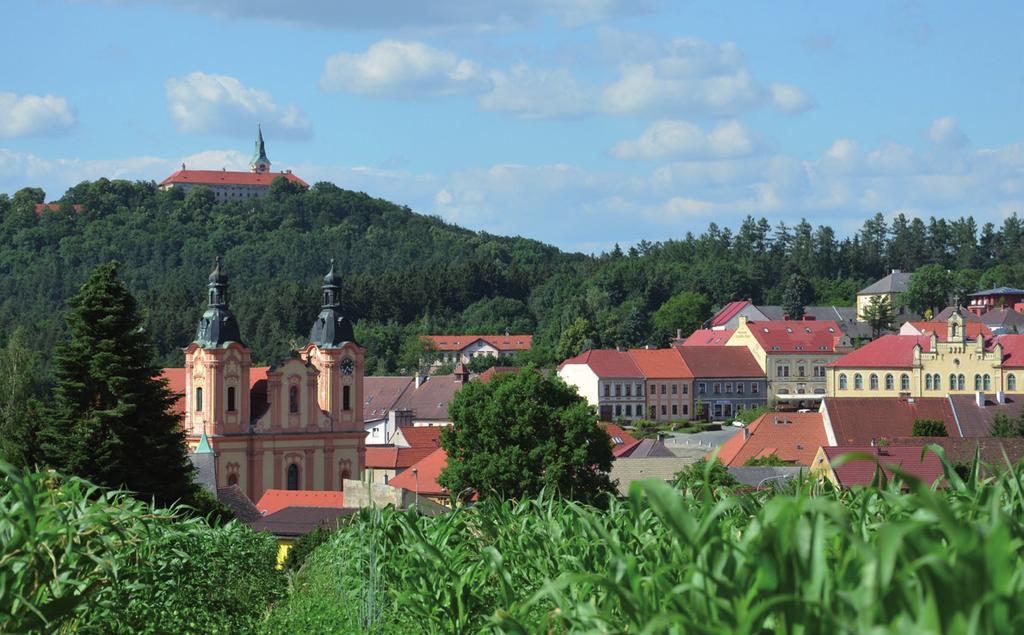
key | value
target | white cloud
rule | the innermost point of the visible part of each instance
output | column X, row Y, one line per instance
column 204, row 103
column 789, row 98
column 675, row 138
column 28, row 115
column 394, row 68
column 945, row 131
column 536, row 94
column 649, row 89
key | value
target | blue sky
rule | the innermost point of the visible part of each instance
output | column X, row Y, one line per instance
column 578, row 122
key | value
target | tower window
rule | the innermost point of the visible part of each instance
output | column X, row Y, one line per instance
column 293, row 399
column 293, row 476
column 346, row 397
column 199, row 398
column 231, row 398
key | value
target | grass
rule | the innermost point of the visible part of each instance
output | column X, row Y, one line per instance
column 904, row 558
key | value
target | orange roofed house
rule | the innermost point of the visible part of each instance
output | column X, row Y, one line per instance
column 793, row 437
column 297, row 424
column 233, row 185
column 463, row 348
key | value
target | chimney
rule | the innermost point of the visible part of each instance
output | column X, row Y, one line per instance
column 743, row 320
column 979, row 399
column 785, row 316
column 621, row 349
column 420, row 379
column 400, row 418
column 897, row 271
column 679, row 334
column 1000, row 397
column 808, row 318
column 746, row 433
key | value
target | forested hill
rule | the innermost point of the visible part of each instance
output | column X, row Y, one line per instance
column 407, row 274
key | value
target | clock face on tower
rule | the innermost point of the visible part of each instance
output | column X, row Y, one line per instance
column 347, row 366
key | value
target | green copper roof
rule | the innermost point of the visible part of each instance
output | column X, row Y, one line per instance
column 261, row 150
column 204, row 446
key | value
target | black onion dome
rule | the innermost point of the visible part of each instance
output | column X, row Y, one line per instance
column 331, row 329
column 332, row 279
column 218, row 276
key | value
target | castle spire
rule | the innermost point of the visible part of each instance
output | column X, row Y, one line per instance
column 260, row 162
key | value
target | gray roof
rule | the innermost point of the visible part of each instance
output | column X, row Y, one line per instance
column 944, row 314
column 998, row 291
column 1004, row 319
column 844, row 316
column 649, row 449
column 895, row 282
column 756, row 476
column 626, row 471
column 235, row 499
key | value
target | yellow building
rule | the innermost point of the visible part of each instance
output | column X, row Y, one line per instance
column 930, row 365
column 888, row 288
column 793, row 354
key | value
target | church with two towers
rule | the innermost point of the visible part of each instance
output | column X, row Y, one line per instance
column 297, row 424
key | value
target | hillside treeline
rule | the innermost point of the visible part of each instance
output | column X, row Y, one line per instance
column 408, row 274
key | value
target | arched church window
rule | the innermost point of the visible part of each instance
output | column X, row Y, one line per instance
column 977, row 382
column 873, row 381
column 232, row 479
column 842, row 381
column 927, row 382
column 858, row 382
column 293, row 476
column 904, row 382
column 936, row 382
column 986, row 382
column 952, row 382
column 889, row 383
column 231, row 398
column 293, row 399
column 199, row 398
column 346, row 397
column 960, row 382
column 1011, row 382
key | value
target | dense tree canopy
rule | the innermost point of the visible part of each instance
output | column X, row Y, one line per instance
column 521, row 433
column 406, row 274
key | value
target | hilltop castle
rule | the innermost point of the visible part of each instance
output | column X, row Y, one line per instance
column 233, row 186
column 297, row 424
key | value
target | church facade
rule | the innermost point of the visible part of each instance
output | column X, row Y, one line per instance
column 233, row 185
column 297, row 424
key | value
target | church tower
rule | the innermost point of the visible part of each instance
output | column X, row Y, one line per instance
column 260, row 162
column 339, row 358
column 217, row 365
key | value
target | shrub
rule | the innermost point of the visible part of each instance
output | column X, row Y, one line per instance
column 771, row 460
column 929, row 428
column 304, row 546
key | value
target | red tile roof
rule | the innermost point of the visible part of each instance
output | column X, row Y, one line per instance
column 888, row 351
column 1013, row 349
column 274, row 500
column 223, row 177
column 425, row 479
column 941, row 329
column 976, row 421
column 797, row 336
column 905, row 458
column 728, row 312
column 660, row 363
column 380, row 394
column 622, row 441
column 792, row 436
column 488, row 375
column 419, row 436
column 390, row 457
column 720, row 361
column 607, row 362
column 861, row 420
column 708, row 337
column 500, row 342
column 53, row 207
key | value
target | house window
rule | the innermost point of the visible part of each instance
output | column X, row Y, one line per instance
column 960, row 383
column 986, row 382
column 293, row 399
column 664, row 388
column 801, row 370
column 890, row 384
column 842, row 381
column 639, row 390
column 754, row 388
column 728, row 387
column 952, row 382
column 651, row 411
column 607, row 390
column 858, row 382
column 618, row 410
column 199, row 398
column 629, row 410
column 293, row 476
column 686, row 409
column 819, row 370
column 904, row 382
column 653, row 389
column 686, row 389
column 231, row 398
column 675, row 389
column 717, row 388
column 782, row 370
column 346, row 397
column 1011, row 382
column 701, row 388
column 675, row 409
column 618, row 390
column 873, row 382
column 664, row 410
column 739, row 387
column 629, row 390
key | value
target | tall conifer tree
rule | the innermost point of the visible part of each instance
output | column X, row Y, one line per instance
column 112, row 422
